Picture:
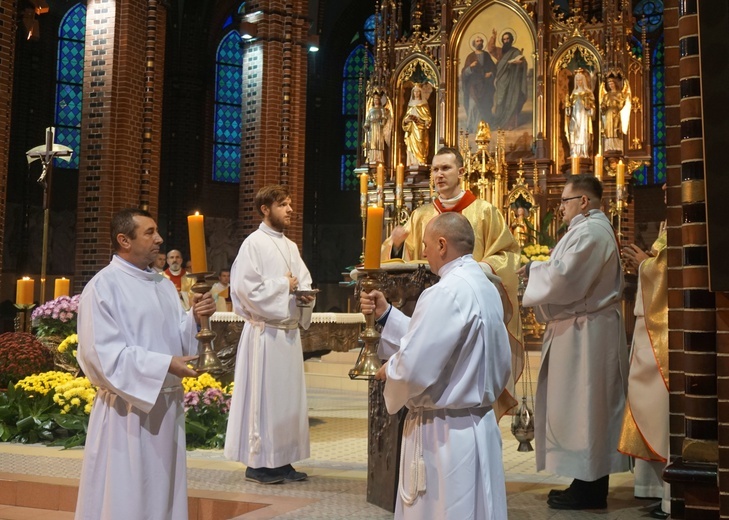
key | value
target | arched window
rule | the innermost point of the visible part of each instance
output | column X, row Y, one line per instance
column 649, row 14
column 227, row 128
column 70, row 83
column 351, row 75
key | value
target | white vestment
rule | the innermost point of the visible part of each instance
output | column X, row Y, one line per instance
column 268, row 425
column 448, row 364
column 584, row 372
column 130, row 324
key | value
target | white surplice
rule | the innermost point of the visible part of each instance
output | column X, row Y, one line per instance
column 130, row 324
column 584, row 372
column 268, row 425
column 448, row 364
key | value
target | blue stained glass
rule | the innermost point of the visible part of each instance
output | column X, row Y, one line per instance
column 349, row 180
column 369, row 29
column 648, row 13
column 659, row 114
column 70, row 83
column 228, row 112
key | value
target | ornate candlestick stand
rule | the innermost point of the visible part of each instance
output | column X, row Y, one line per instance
column 368, row 362
column 21, row 322
column 616, row 209
column 208, row 360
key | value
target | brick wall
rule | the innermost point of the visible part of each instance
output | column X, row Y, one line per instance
column 7, row 54
column 117, row 112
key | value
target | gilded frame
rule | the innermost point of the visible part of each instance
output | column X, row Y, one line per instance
column 482, row 19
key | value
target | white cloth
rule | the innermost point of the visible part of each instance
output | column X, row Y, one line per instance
column 584, row 372
column 448, row 364
column 130, row 324
column 268, row 425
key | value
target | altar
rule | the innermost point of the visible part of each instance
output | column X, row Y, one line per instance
column 328, row 331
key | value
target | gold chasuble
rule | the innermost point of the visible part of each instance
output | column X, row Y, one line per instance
column 494, row 246
column 644, row 435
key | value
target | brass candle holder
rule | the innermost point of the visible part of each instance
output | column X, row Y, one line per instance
column 207, row 360
column 368, row 362
column 22, row 322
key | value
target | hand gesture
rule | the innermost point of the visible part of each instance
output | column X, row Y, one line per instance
column 178, row 366
column 633, row 256
column 399, row 234
column 293, row 282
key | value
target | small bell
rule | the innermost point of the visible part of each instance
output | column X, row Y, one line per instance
column 522, row 426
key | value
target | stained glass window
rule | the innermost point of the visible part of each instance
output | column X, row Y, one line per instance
column 351, row 103
column 369, row 29
column 659, row 114
column 648, row 13
column 70, row 83
column 227, row 133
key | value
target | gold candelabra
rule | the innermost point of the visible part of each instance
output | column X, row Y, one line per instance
column 368, row 362
column 207, row 360
column 617, row 208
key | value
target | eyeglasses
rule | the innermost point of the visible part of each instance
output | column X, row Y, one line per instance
column 567, row 199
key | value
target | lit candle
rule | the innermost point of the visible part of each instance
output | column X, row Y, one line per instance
column 575, row 165
column 373, row 238
column 364, row 180
column 61, row 287
column 24, row 291
column 400, row 175
column 196, row 230
column 620, row 178
column 598, row 167
column 380, row 174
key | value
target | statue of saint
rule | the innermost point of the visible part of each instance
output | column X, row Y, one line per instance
column 615, row 106
column 579, row 111
column 416, row 123
column 378, row 127
column 519, row 227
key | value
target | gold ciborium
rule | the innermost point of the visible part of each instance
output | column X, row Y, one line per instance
column 207, row 360
column 368, row 362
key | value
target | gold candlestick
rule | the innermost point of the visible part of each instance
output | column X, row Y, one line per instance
column 207, row 360
column 368, row 362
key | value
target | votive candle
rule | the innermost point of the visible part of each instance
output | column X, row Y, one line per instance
column 196, row 230
column 575, row 165
column 620, row 178
column 24, row 291
column 61, row 287
column 598, row 167
column 373, row 237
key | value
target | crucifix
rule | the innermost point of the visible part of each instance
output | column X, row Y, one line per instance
column 46, row 153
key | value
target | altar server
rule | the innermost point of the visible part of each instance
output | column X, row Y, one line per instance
column 268, row 426
column 584, row 371
column 447, row 364
column 134, row 344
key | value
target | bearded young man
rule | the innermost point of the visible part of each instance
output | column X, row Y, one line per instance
column 268, row 426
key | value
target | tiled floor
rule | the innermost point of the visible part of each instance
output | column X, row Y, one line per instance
column 336, row 488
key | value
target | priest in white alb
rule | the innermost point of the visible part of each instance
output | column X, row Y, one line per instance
column 135, row 342
column 447, row 364
column 268, row 425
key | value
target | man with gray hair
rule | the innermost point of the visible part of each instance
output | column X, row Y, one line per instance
column 447, row 364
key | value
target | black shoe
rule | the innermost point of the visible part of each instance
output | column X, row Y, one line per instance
column 556, row 492
column 264, row 475
column 657, row 512
column 290, row 474
column 570, row 501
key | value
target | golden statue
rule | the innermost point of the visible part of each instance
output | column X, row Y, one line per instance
column 579, row 111
column 615, row 106
column 416, row 124
column 377, row 126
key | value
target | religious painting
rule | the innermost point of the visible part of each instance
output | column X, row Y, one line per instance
column 495, row 51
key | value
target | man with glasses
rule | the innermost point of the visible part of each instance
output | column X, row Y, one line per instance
column 584, row 371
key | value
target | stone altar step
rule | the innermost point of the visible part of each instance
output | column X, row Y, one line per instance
column 332, row 372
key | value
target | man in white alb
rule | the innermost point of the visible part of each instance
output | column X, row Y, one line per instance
column 268, row 426
column 447, row 364
column 134, row 344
